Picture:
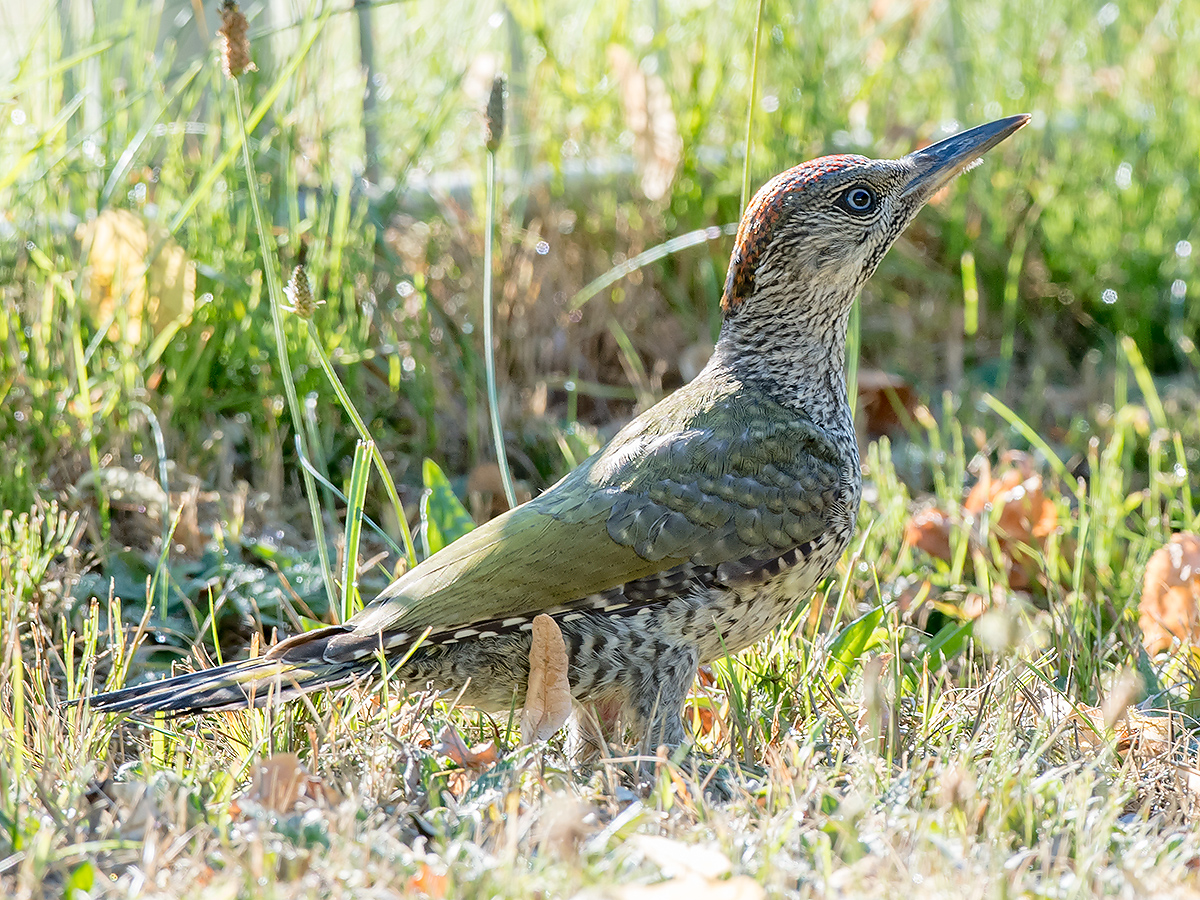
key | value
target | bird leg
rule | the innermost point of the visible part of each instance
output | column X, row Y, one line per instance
column 646, row 696
column 592, row 728
column 657, row 692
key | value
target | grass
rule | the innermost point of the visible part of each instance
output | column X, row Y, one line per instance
column 887, row 738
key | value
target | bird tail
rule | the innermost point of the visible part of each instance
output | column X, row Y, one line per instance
column 290, row 668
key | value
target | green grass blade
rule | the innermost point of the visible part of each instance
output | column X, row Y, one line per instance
column 359, row 476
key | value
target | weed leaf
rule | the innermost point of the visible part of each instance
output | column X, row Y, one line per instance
column 443, row 517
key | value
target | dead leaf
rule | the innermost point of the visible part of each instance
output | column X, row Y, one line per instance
column 1170, row 605
column 565, row 823
column 929, row 530
column 1145, row 737
column 1161, row 742
column 458, row 780
column 701, row 715
column 452, row 746
column 280, row 781
column 694, row 887
column 1158, row 745
column 1026, row 517
column 548, row 696
column 678, row 858
column 485, row 491
column 161, row 289
column 1149, row 736
column 1015, row 508
column 429, row 882
column 882, row 397
column 473, row 760
column 650, row 117
column 973, row 605
column 409, row 723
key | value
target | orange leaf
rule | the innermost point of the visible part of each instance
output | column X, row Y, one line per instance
column 458, row 780
column 929, row 530
column 280, row 781
column 1170, row 606
column 881, row 398
column 548, row 696
column 701, row 716
column 1022, row 519
column 451, row 745
column 429, row 882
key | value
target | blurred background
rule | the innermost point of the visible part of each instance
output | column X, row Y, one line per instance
column 1058, row 278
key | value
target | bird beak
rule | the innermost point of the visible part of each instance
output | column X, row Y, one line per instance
column 936, row 164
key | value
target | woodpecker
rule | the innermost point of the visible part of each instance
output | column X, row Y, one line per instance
column 697, row 529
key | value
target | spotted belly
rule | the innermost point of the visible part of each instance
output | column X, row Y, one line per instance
column 747, row 613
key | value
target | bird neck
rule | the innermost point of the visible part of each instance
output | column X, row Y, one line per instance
column 794, row 350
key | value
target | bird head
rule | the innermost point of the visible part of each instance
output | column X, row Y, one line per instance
column 815, row 233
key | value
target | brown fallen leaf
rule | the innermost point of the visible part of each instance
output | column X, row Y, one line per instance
column 701, row 715
column 929, row 530
column 882, row 398
column 1026, row 517
column 548, row 696
column 1149, row 736
column 280, row 781
column 1158, row 745
column 1170, row 605
column 473, row 760
column 1020, row 515
column 565, row 823
column 452, row 746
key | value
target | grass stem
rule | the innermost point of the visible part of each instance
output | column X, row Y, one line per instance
column 348, row 405
column 489, row 348
column 750, row 106
column 275, row 293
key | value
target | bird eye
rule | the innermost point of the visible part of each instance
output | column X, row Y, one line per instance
column 859, row 199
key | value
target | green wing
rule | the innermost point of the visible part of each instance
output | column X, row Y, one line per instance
column 705, row 476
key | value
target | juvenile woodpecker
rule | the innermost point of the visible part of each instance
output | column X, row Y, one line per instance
column 698, row 528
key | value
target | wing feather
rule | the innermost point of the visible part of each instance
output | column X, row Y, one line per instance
column 703, row 477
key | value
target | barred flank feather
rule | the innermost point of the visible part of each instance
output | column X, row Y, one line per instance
column 290, row 668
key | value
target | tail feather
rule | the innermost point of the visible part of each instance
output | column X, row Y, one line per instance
column 293, row 667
